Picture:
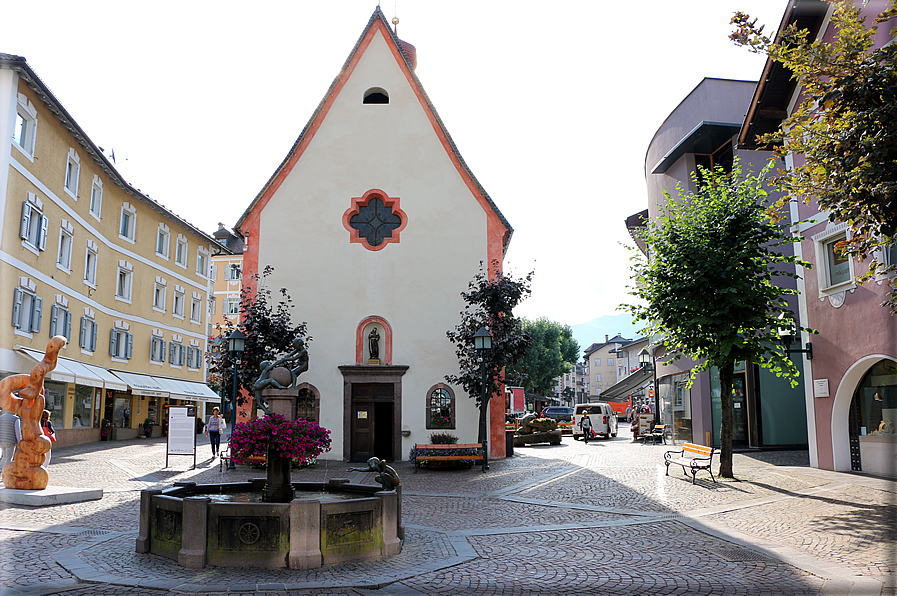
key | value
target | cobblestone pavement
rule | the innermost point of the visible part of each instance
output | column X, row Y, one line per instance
column 602, row 518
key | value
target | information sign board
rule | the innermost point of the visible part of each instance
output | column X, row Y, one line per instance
column 181, row 433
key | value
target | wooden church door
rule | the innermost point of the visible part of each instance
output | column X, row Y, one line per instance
column 372, row 421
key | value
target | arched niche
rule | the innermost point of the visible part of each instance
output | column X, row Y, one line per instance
column 362, row 348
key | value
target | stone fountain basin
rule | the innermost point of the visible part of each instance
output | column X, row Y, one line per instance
column 325, row 523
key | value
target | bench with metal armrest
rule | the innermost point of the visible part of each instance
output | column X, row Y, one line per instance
column 692, row 458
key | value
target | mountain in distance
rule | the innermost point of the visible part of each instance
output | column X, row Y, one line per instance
column 594, row 331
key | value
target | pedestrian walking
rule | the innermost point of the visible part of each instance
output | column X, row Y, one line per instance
column 585, row 425
column 10, row 435
column 49, row 432
column 214, row 428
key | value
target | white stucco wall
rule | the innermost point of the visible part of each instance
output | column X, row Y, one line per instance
column 414, row 284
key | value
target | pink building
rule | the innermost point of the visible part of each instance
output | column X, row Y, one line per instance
column 854, row 355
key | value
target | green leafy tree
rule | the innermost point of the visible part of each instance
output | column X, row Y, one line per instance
column 552, row 353
column 489, row 302
column 845, row 127
column 269, row 331
column 708, row 287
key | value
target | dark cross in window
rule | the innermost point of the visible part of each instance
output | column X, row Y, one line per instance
column 375, row 222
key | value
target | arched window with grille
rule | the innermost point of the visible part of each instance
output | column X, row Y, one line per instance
column 440, row 407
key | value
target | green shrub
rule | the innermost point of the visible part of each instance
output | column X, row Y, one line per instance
column 443, row 439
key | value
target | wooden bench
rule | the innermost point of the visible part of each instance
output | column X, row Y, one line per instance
column 658, row 433
column 691, row 457
column 420, row 458
column 224, row 456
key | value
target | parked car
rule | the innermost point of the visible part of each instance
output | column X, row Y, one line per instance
column 603, row 418
column 559, row 413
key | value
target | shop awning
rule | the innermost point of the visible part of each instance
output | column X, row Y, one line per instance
column 636, row 380
column 188, row 390
column 72, row 371
column 142, row 384
column 66, row 371
column 110, row 381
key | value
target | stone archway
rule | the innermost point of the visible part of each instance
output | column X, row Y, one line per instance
column 841, row 409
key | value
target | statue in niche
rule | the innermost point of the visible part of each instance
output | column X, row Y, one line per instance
column 374, row 343
column 282, row 373
column 387, row 475
column 26, row 471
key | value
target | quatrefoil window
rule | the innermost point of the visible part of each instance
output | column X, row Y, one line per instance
column 374, row 220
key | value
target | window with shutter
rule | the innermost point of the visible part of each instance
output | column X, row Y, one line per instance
column 121, row 344
column 26, row 311
column 18, row 297
column 33, row 229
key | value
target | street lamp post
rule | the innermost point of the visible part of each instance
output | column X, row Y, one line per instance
column 236, row 344
column 645, row 359
column 786, row 339
column 482, row 342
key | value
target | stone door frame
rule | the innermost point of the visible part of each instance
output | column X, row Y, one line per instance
column 362, row 374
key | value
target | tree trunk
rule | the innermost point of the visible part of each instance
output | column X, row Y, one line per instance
column 726, row 373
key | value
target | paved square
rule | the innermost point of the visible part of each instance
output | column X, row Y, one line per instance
column 601, row 518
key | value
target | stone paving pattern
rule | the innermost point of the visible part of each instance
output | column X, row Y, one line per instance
column 601, row 518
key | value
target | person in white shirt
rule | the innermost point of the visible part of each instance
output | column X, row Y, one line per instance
column 586, row 426
column 214, row 428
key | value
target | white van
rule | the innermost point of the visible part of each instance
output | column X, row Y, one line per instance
column 602, row 417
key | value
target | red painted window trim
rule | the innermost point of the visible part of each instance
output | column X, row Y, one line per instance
column 359, row 202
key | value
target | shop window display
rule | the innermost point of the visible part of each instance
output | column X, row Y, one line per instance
column 83, row 406
column 55, row 396
column 875, row 400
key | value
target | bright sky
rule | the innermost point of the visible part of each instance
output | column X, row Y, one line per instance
column 552, row 104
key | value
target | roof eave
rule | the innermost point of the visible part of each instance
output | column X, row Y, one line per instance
column 24, row 70
column 378, row 14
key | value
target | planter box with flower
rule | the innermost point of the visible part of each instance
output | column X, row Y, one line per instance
column 438, row 421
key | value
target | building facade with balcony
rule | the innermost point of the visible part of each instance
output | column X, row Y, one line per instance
column 604, row 368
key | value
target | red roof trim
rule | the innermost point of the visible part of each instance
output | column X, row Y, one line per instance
column 499, row 230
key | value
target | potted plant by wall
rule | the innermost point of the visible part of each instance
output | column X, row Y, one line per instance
column 105, row 429
column 440, row 421
column 148, row 428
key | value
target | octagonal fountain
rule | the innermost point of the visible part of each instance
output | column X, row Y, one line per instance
column 273, row 522
column 229, row 524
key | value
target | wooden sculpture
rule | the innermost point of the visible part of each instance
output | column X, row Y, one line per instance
column 25, row 471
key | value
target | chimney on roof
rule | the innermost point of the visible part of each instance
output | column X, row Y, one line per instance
column 606, row 338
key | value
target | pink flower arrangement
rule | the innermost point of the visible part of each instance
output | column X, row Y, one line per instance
column 299, row 440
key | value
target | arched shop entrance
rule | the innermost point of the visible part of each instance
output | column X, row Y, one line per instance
column 872, row 420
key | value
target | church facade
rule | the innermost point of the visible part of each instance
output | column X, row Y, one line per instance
column 375, row 225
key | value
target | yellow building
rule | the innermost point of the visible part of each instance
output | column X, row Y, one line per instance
column 227, row 279
column 85, row 255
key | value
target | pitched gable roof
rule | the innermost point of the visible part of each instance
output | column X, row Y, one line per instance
column 20, row 66
column 377, row 22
